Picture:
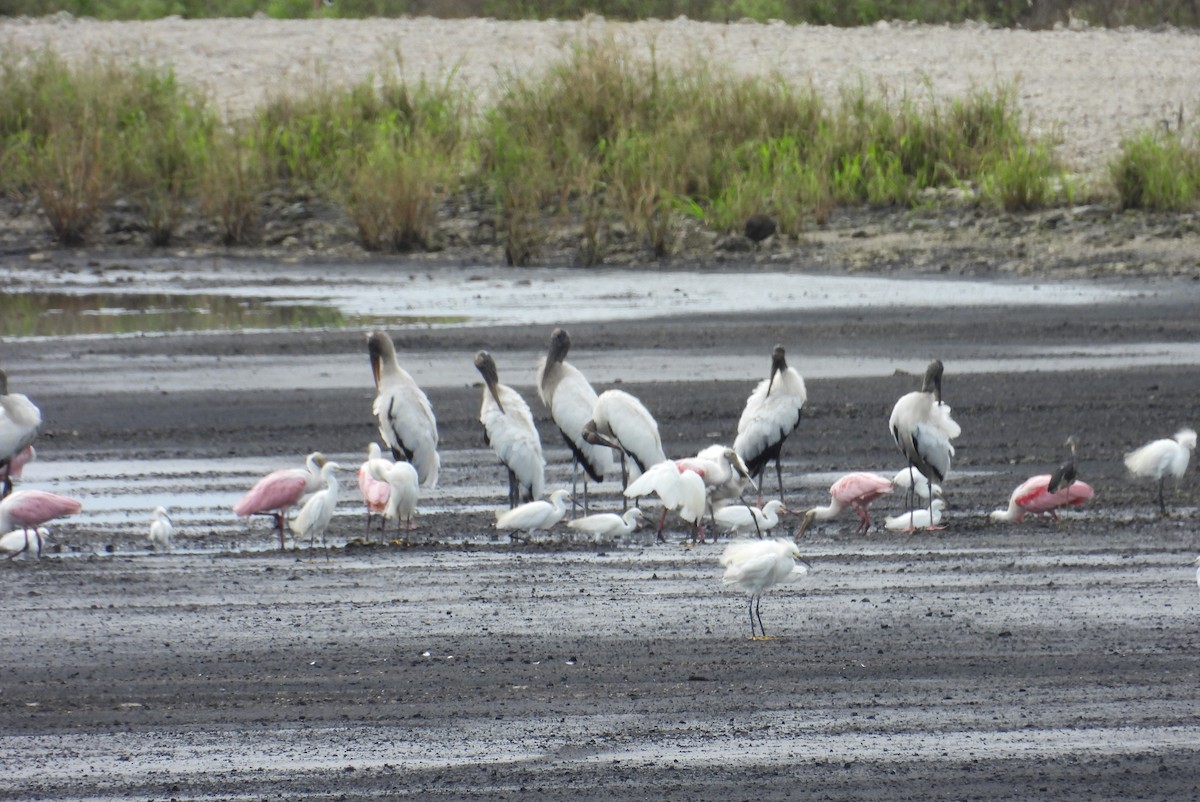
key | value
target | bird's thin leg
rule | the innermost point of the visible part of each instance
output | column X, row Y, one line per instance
column 661, row 521
column 585, row 495
column 779, row 476
column 8, row 486
column 758, row 615
column 279, row 529
column 750, row 611
column 574, row 481
column 514, row 491
column 624, row 482
column 1162, row 505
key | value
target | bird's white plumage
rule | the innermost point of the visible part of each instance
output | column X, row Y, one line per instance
column 513, row 435
column 740, row 519
column 570, row 398
column 917, row 519
column 1168, row 457
column 905, row 478
column 923, row 430
column 755, row 565
column 608, row 524
column 619, row 415
column 21, row 540
column 535, row 515
column 680, row 488
column 403, row 482
column 725, row 474
column 162, row 531
column 317, row 513
column 405, row 416
column 20, row 419
column 771, row 413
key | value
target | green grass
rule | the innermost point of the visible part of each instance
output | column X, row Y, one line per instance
column 1157, row 171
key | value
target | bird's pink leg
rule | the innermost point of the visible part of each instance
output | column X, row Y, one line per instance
column 661, row 521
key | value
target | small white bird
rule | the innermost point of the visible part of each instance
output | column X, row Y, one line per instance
column 756, row 565
column 28, row 541
column 772, row 412
column 406, row 421
column 535, row 515
column 317, row 513
column 403, row 490
column 162, row 530
column 914, row 482
column 607, row 525
column 510, row 431
column 743, row 520
column 1163, row 458
column 917, row 519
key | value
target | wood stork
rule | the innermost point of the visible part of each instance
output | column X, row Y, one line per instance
column 772, row 412
column 856, row 490
column 406, row 421
column 570, row 399
column 29, row 509
column 922, row 428
column 756, row 565
column 1162, row 458
column 403, row 491
column 744, row 520
column 535, row 515
column 279, row 491
column 372, row 485
column 510, row 431
column 622, row 423
column 162, row 530
column 607, row 525
column 20, row 420
column 317, row 513
column 1044, row 495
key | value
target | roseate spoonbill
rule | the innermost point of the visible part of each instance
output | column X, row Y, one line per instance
column 403, row 490
column 608, row 524
column 535, row 515
column 279, row 491
column 1161, row 458
column 856, row 490
column 726, row 476
column 917, row 519
column 29, row 509
column 922, row 428
column 680, row 485
column 406, row 421
column 317, row 513
column 24, row 540
column 510, row 431
column 14, row 468
column 372, row 484
column 1034, row 495
column 162, row 530
column 756, row 565
column 571, row 399
column 19, row 422
column 745, row 520
column 772, row 412
column 622, row 423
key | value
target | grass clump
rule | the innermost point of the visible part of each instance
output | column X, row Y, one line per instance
column 1157, row 171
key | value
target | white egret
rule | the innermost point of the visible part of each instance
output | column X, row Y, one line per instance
column 317, row 513
column 607, row 525
column 1162, row 458
column 856, row 490
column 745, row 520
column 772, row 412
column 28, row 541
column 510, row 431
column 570, row 398
column 403, row 491
column 929, row 518
column 162, row 530
column 756, row 565
column 535, row 515
column 279, row 491
column 20, row 420
column 922, row 428
column 406, row 421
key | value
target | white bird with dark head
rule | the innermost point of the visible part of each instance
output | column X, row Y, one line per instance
column 20, row 420
column 406, row 421
column 622, row 422
column 317, row 513
column 922, row 428
column 1163, row 458
column 535, row 515
column 162, row 530
column 510, row 431
column 570, row 399
column 772, row 412
column 757, row 565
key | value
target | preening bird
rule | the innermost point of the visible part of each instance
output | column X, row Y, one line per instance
column 317, row 513
column 570, row 399
column 372, row 485
column 20, row 420
column 279, row 491
column 403, row 491
column 608, row 525
column 162, row 530
column 535, row 515
column 856, row 490
column 1162, row 458
column 622, row 423
column 911, row 482
column 510, row 431
column 28, row 541
column 29, row 509
column 772, row 412
column 680, row 487
column 756, row 565
column 405, row 417
column 1035, row 496
column 930, row 518
column 744, row 520
column 922, row 428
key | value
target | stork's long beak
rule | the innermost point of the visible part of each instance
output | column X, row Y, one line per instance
column 594, row 437
column 491, row 386
column 807, row 522
column 376, row 367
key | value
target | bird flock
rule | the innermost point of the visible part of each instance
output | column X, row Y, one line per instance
column 601, row 431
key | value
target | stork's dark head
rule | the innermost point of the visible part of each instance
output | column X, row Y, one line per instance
column 3, row 383
column 778, row 365
column 487, row 369
column 933, row 380
column 560, row 344
column 379, row 348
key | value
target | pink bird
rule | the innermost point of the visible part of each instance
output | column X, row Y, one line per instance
column 29, row 509
column 14, row 468
column 855, row 490
column 279, row 491
column 375, row 492
column 1034, row 496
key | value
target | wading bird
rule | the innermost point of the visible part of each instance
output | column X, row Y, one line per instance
column 374, row 489
column 403, row 491
column 756, row 565
column 679, row 485
column 608, row 525
column 162, row 530
column 1036, row 496
column 772, row 412
column 19, row 422
column 279, row 491
column 510, row 431
column 912, row 483
column 744, row 520
column 14, row 469
column 622, row 423
column 1162, row 458
column 922, row 428
column 29, row 509
column 855, row 490
column 406, row 421
column 28, row 541
column 930, row 518
column 535, row 515
column 570, row 399
column 317, row 513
